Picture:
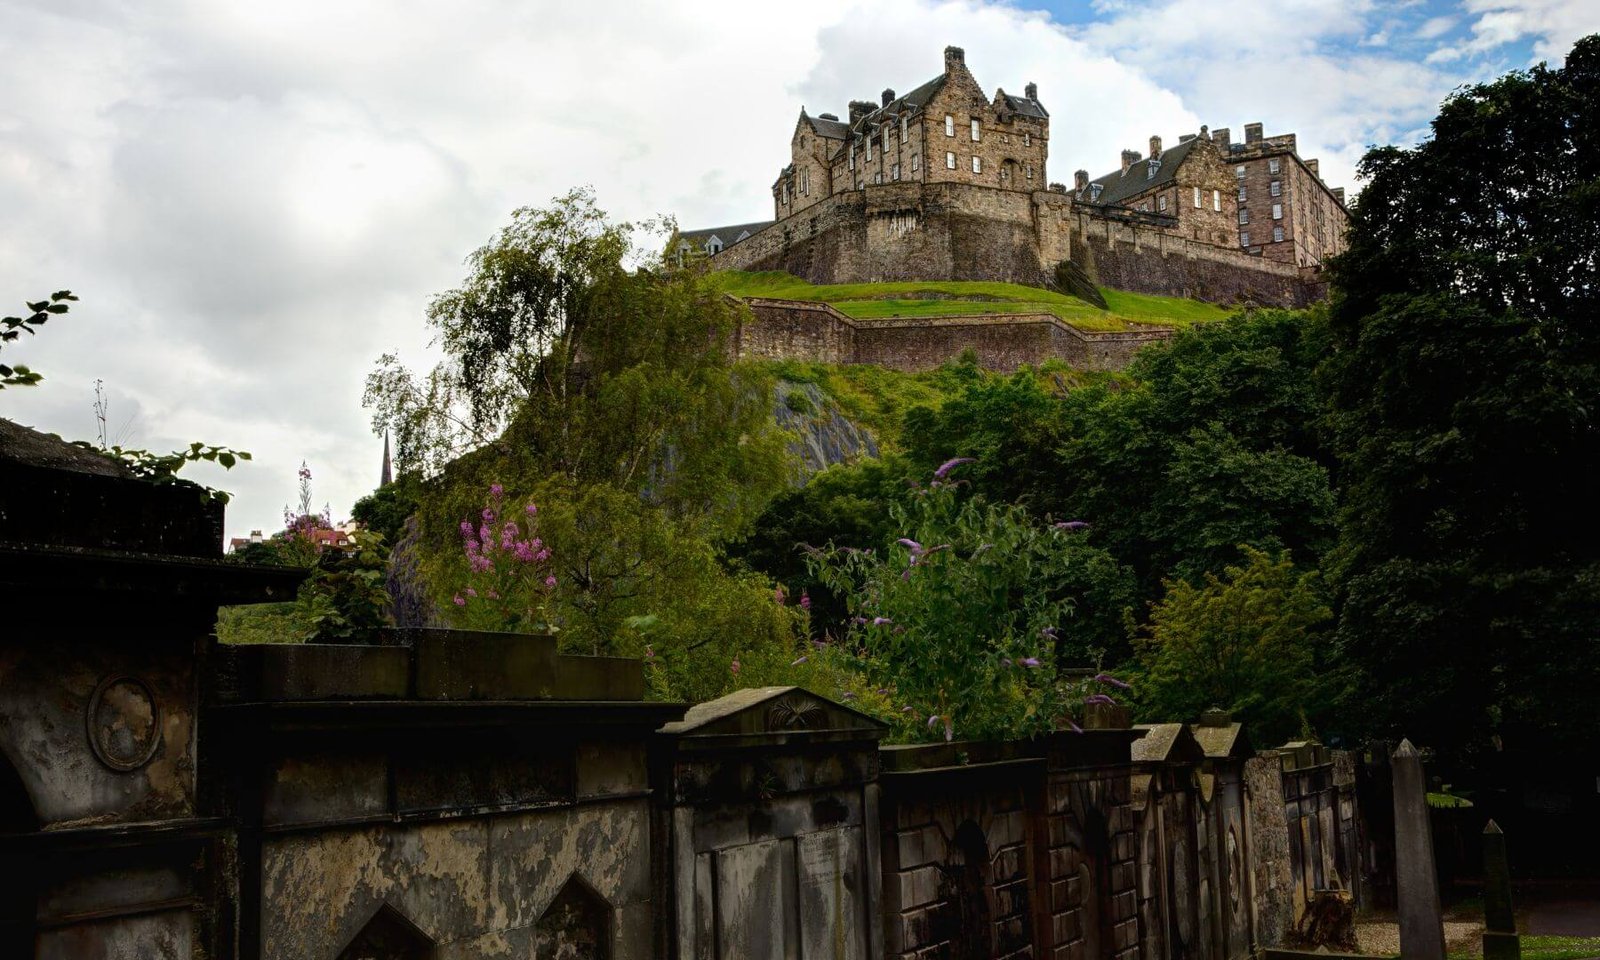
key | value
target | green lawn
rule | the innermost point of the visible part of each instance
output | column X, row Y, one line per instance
column 1551, row 948
column 875, row 301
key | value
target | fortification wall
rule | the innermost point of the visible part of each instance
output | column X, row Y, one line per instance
column 1125, row 255
column 912, row 231
column 804, row 330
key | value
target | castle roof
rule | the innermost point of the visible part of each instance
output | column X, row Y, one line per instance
column 1025, row 106
column 824, row 127
column 913, row 100
column 729, row 235
column 1118, row 185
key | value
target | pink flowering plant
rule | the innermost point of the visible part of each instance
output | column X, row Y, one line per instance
column 957, row 622
column 508, row 577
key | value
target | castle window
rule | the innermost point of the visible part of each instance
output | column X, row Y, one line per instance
column 950, row 161
column 1197, row 198
column 877, row 177
column 887, row 131
column 1161, row 202
column 1241, row 193
column 974, row 131
column 852, row 156
column 903, row 135
column 1276, row 188
column 1277, row 234
column 916, row 161
column 1272, row 165
column 1216, row 200
column 896, row 174
column 1239, row 171
column 1029, row 168
column 869, row 149
column 1277, row 211
column 949, row 125
column 1244, row 214
column 786, row 192
column 1027, row 139
column 977, row 164
column 1244, row 238
column 805, row 179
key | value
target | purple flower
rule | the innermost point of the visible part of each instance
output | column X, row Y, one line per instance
column 1005, row 661
column 905, row 709
column 459, row 600
column 733, row 667
column 531, row 509
column 949, row 465
column 495, row 490
column 910, row 544
column 1100, row 698
column 1072, row 525
column 485, row 534
column 881, row 621
column 933, row 720
column 858, row 621
column 847, row 695
column 1074, row 726
column 1030, row 661
column 470, row 592
column 649, row 654
column 798, row 660
column 1051, row 633
column 523, row 551
column 466, row 528
column 550, row 581
column 805, row 600
column 1108, row 678
column 488, row 515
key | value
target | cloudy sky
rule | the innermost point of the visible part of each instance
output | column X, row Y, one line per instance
column 254, row 200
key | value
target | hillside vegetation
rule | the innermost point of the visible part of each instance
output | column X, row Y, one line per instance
column 921, row 298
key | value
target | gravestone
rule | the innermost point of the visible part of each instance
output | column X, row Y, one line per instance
column 1421, row 923
column 1500, row 940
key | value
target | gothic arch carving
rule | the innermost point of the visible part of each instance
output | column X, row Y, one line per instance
column 388, row 935
column 577, row 925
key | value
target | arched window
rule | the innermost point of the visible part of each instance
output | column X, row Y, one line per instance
column 388, row 935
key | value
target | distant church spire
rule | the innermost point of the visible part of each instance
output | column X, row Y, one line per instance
column 388, row 476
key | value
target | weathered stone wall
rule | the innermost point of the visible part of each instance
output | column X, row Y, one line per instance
column 805, row 330
column 1093, row 898
column 1272, row 872
column 1123, row 256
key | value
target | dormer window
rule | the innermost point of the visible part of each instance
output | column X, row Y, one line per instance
column 714, row 246
column 949, row 125
column 974, row 130
column 1094, row 190
column 904, row 137
column 1151, row 168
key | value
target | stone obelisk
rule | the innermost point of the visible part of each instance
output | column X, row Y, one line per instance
column 1421, row 923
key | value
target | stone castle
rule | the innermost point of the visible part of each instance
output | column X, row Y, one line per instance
column 947, row 183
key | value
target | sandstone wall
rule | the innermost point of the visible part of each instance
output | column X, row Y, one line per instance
column 806, row 330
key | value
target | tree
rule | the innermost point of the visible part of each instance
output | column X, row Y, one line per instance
column 1245, row 641
column 964, row 622
column 1464, row 384
column 12, row 328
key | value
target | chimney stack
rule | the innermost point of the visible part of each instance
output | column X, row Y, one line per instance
column 1205, row 132
column 1338, row 194
column 1219, row 137
column 1031, row 90
column 1129, row 158
column 828, row 116
column 1155, row 148
column 888, row 97
column 1312, row 166
column 1080, row 181
column 859, row 109
column 954, row 58
column 1252, row 133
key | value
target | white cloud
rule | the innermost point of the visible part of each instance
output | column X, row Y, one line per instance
column 1554, row 25
column 1434, row 27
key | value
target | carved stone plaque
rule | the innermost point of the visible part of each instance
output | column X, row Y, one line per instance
column 124, row 723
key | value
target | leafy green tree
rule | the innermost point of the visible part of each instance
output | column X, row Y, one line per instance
column 345, row 598
column 962, row 622
column 1464, row 384
column 386, row 509
column 12, row 329
column 1245, row 641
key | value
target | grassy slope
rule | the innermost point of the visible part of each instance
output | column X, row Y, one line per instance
column 878, row 300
